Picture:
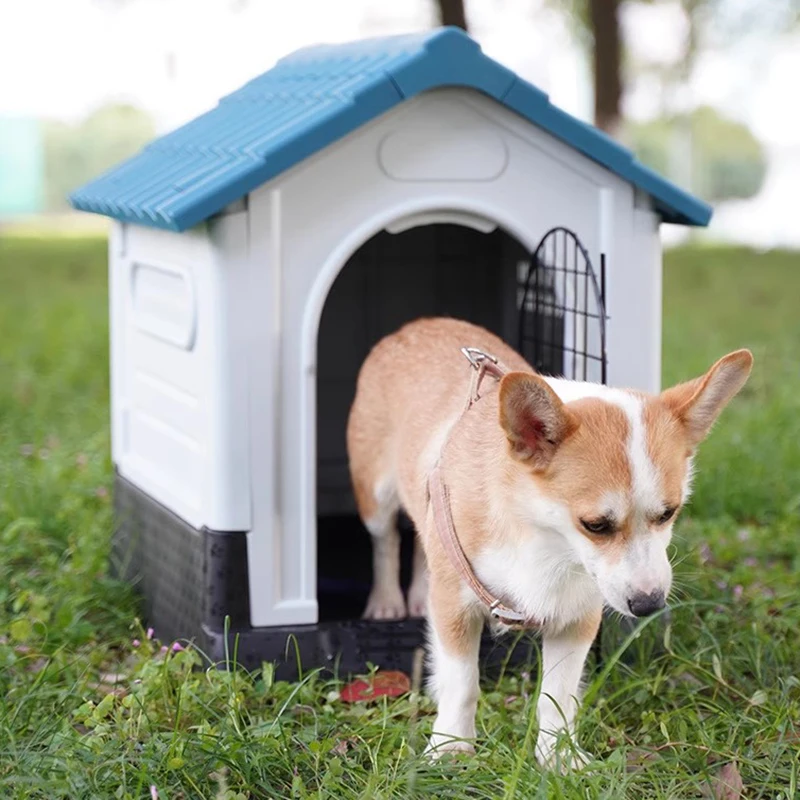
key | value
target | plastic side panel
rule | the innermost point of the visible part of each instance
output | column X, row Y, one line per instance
column 163, row 330
column 166, row 457
column 163, row 303
column 159, row 398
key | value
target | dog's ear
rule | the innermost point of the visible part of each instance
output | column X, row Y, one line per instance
column 533, row 417
column 698, row 403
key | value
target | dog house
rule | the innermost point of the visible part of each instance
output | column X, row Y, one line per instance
column 259, row 251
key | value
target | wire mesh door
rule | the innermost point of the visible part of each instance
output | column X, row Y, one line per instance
column 561, row 302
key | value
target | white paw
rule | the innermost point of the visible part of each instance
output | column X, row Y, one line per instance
column 562, row 755
column 440, row 744
column 385, row 603
column 418, row 599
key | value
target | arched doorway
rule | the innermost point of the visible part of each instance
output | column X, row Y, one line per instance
column 439, row 269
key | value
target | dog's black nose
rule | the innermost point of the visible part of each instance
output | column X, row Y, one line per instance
column 643, row 605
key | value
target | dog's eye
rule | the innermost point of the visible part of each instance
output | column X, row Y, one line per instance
column 668, row 514
column 602, row 526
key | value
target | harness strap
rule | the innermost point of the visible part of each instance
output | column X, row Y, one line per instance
column 483, row 364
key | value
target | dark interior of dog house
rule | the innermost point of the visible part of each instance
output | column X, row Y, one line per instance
column 547, row 304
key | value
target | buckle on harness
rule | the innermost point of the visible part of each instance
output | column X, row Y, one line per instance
column 505, row 614
column 476, row 356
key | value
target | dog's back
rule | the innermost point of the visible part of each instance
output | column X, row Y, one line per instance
column 408, row 388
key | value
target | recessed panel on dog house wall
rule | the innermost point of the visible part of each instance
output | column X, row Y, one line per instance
column 351, row 187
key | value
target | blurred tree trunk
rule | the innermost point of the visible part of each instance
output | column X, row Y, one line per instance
column 607, row 56
column 451, row 12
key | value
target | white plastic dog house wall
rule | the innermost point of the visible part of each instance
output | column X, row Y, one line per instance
column 229, row 235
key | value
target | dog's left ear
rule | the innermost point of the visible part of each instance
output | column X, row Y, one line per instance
column 698, row 403
column 533, row 417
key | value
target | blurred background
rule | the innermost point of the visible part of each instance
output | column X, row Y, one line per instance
column 703, row 90
column 706, row 92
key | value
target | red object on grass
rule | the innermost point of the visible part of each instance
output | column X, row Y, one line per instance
column 381, row 684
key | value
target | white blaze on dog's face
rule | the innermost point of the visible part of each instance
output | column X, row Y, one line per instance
column 610, row 469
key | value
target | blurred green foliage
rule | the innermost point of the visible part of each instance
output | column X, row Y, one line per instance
column 722, row 158
column 74, row 154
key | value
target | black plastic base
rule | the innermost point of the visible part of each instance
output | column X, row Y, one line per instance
column 349, row 647
column 191, row 580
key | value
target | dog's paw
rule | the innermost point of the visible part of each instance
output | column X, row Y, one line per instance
column 418, row 600
column 561, row 755
column 441, row 744
column 385, row 604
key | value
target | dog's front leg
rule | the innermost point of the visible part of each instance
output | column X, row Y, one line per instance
column 455, row 636
column 563, row 657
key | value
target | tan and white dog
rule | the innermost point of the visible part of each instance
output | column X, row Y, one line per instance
column 562, row 495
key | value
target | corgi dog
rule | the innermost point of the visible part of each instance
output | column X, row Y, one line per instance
column 538, row 501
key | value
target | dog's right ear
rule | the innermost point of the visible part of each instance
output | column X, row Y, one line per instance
column 533, row 417
column 698, row 403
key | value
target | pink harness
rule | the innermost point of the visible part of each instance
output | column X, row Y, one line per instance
column 482, row 364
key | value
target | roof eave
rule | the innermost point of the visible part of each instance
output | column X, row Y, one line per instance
column 444, row 58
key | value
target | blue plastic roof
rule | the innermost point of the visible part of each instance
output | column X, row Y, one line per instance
column 318, row 95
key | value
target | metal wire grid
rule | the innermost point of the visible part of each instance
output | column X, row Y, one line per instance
column 561, row 302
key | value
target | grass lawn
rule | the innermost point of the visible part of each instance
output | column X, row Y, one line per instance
column 89, row 707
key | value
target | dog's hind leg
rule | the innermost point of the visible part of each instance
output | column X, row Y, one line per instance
column 386, row 597
column 418, row 591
